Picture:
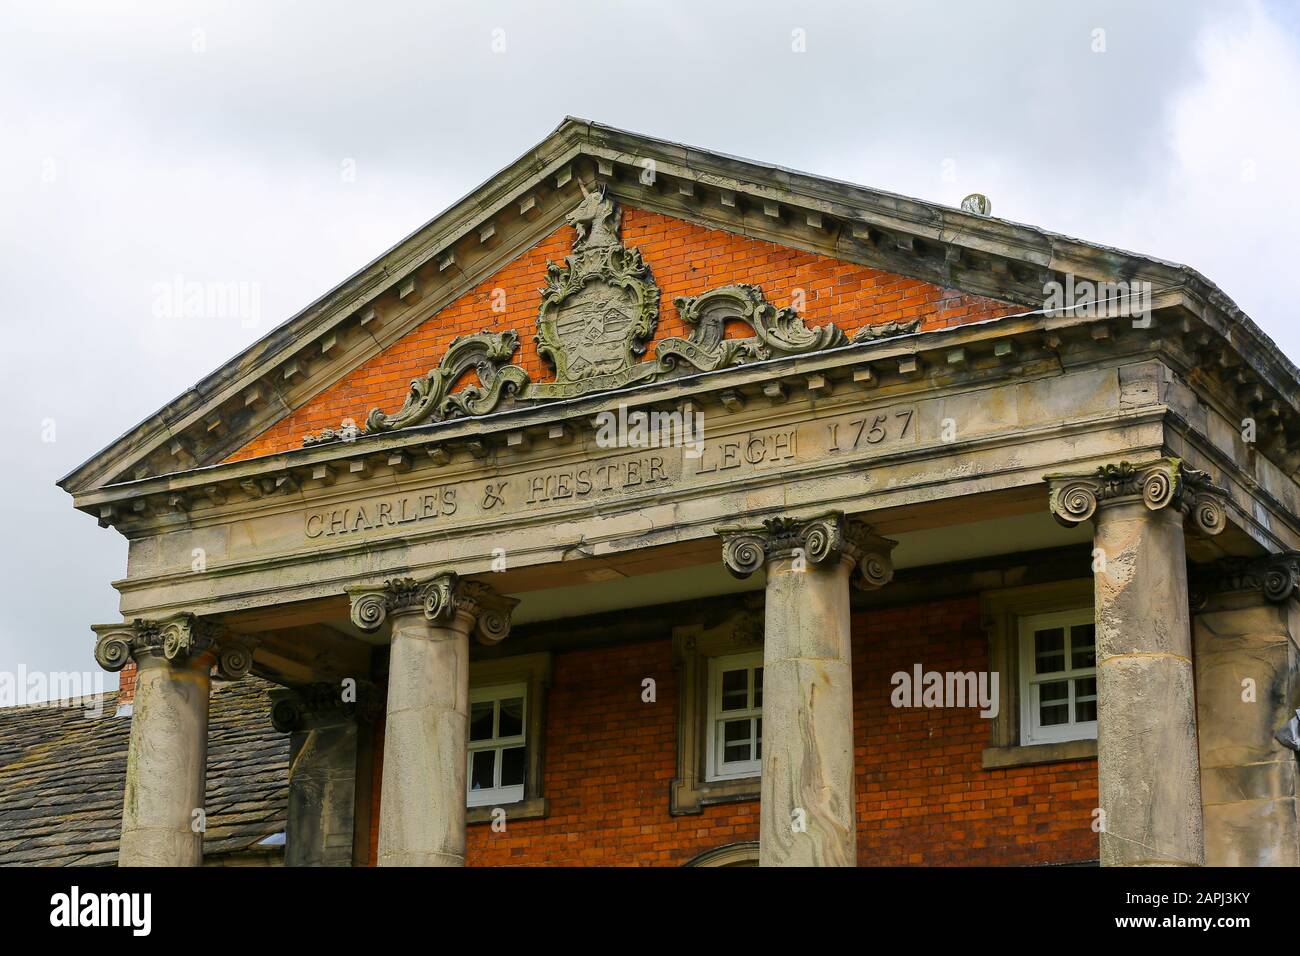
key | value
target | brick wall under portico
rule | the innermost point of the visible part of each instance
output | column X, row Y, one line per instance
column 922, row 794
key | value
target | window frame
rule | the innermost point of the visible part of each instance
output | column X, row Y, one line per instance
column 715, row 766
column 1000, row 611
column 497, row 795
column 532, row 672
column 1031, row 731
column 739, row 631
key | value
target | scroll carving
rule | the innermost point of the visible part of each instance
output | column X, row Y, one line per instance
column 175, row 639
column 1166, row 482
column 777, row 331
column 440, row 599
column 820, row 540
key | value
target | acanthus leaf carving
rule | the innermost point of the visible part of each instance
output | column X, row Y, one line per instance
column 820, row 540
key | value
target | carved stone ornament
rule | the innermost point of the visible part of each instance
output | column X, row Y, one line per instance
column 430, row 398
column 175, row 639
column 295, row 708
column 1276, row 575
column 777, row 332
column 440, row 599
column 599, row 311
column 820, row 540
column 1162, row 483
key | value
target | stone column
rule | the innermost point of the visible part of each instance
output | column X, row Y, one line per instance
column 1247, row 691
column 808, row 814
column 166, row 768
column 1147, row 759
column 422, row 797
column 322, row 721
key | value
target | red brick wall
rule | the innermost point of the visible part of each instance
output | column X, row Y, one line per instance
column 685, row 259
column 126, row 684
column 923, row 797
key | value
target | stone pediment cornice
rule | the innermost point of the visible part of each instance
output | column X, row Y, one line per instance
column 527, row 200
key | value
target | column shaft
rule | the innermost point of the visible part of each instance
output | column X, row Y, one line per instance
column 1247, row 687
column 422, row 801
column 1146, row 718
column 166, row 764
column 808, row 812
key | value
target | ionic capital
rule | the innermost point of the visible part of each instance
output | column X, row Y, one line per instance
column 821, row 540
column 324, row 704
column 1163, row 483
column 1277, row 576
column 442, row 599
column 177, row 640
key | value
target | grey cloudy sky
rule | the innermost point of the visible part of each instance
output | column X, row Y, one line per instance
column 148, row 141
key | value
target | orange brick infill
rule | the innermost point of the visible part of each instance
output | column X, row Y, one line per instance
column 923, row 796
column 685, row 260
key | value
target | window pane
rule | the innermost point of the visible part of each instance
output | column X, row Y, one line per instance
column 758, row 687
column 512, row 767
column 512, row 718
column 482, row 772
column 735, row 740
column 1054, row 703
column 1049, row 650
column 1082, row 639
column 480, row 721
column 758, row 740
column 1085, row 699
column 735, row 690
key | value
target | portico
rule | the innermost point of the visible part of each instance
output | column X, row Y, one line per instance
column 492, row 598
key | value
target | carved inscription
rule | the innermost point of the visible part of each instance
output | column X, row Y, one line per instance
column 879, row 427
column 858, row 434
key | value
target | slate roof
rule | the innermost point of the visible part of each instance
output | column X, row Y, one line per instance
column 62, row 772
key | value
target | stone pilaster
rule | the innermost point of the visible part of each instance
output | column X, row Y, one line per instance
column 422, row 800
column 808, row 815
column 322, row 723
column 163, row 806
column 1244, row 626
column 1146, row 707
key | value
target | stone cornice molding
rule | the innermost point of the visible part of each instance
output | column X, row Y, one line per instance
column 1165, row 482
column 821, row 540
column 178, row 639
column 442, row 599
column 1277, row 576
column 299, row 708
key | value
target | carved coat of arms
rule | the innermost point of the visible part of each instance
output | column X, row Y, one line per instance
column 599, row 308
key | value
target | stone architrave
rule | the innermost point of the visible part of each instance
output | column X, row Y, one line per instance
column 1147, row 758
column 163, row 807
column 422, row 801
column 808, row 814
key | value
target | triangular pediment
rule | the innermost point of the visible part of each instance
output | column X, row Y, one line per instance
column 666, row 259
